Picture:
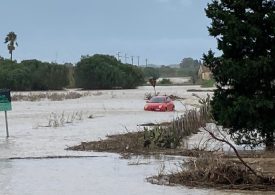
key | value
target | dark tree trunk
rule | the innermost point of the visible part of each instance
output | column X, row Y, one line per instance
column 269, row 142
column 11, row 55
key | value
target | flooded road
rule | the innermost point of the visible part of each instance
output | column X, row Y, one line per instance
column 113, row 112
column 86, row 176
column 101, row 175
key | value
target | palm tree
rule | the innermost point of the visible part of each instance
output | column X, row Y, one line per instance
column 11, row 42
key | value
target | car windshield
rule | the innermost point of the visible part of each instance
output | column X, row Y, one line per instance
column 157, row 100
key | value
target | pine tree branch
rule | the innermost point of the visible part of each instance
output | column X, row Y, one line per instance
column 236, row 152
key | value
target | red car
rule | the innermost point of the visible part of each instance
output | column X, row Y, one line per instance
column 160, row 103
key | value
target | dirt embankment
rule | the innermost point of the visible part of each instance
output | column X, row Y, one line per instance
column 130, row 144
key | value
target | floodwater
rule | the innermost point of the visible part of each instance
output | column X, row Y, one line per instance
column 98, row 173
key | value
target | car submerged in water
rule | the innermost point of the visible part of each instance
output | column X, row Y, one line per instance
column 160, row 103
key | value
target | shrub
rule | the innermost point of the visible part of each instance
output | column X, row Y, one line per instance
column 106, row 72
column 207, row 83
column 165, row 82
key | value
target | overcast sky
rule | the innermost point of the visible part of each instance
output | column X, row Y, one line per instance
column 164, row 31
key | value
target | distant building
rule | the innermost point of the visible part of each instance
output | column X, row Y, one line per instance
column 204, row 73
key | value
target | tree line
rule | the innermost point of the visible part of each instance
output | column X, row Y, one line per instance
column 91, row 72
column 32, row 75
column 188, row 67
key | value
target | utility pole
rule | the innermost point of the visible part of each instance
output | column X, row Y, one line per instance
column 56, row 56
column 125, row 57
column 138, row 60
column 118, row 55
column 132, row 58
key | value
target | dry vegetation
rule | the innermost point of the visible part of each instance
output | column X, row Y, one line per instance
column 148, row 96
column 131, row 143
column 210, row 170
column 52, row 96
column 56, row 120
column 59, row 120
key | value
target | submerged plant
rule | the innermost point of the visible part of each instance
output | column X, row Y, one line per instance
column 59, row 120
